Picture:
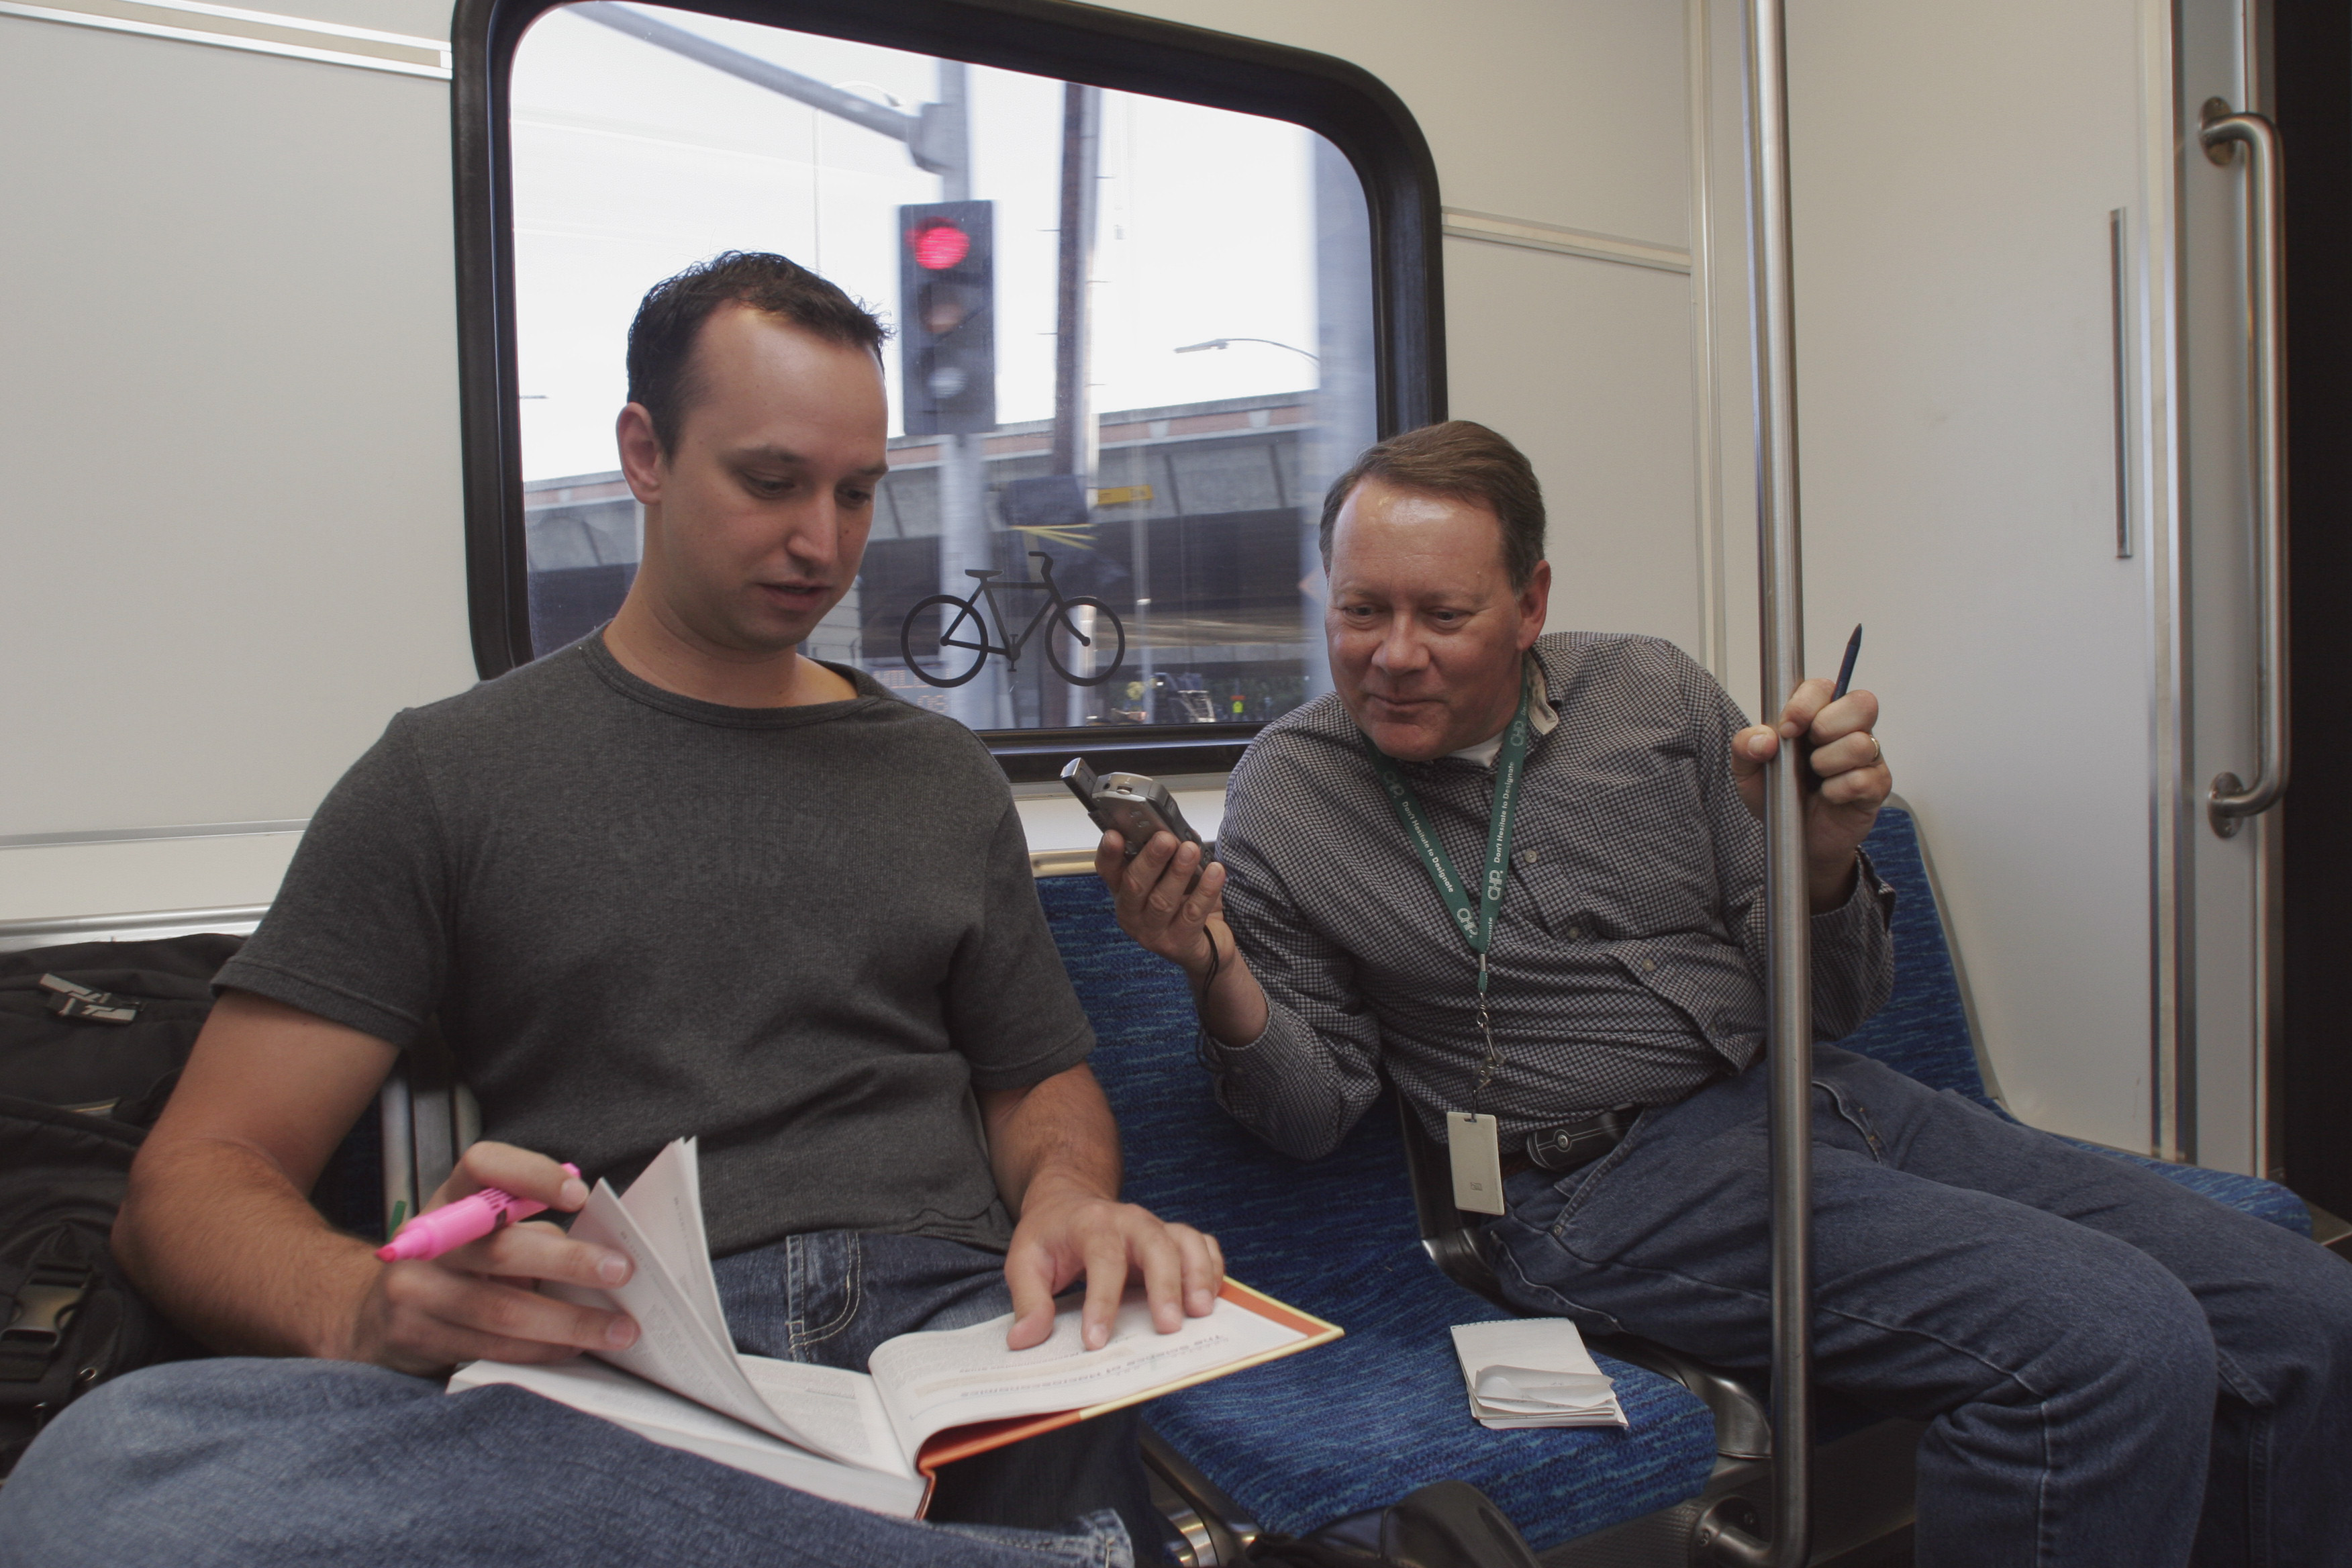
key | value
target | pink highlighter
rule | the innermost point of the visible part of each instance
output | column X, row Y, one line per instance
column 451, row 1226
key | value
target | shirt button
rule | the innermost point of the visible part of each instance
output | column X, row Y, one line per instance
column 1650, row 964
column 1529, row 856
column 1576, row 933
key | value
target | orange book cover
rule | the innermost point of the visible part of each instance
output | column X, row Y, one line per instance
column 964, row 1442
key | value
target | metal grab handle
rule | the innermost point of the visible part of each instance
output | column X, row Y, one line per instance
column 2232, row 800
column 1787, row 911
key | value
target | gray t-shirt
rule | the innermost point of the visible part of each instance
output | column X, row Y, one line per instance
column 804, row 935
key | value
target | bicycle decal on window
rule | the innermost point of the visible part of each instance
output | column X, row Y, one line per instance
column 1080, row 631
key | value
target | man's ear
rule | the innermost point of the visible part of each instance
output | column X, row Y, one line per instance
column 642, row 459
column 1535, row 603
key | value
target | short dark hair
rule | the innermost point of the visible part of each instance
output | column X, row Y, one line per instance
column 1463, row 461
column 661, row 340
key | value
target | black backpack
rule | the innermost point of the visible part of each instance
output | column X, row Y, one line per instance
column 93, row 1038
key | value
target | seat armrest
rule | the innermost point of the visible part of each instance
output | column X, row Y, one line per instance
column 1450, row 1241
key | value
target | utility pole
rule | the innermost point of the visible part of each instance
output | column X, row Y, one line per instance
column 1077, row 438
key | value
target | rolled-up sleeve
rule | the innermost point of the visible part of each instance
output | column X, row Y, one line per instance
column 1315, row 1068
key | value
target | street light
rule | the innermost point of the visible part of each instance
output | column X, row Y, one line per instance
column 1228, row 342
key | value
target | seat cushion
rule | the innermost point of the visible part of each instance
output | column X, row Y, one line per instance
column 2248, row 1195
column 1358, row 1424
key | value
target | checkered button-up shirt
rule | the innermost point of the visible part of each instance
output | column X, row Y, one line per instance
column 1627, row 967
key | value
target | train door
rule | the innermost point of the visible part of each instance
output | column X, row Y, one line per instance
column 2025, row 431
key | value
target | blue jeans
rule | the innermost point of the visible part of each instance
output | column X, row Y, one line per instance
column 245, row 1463
column 2112, row 1369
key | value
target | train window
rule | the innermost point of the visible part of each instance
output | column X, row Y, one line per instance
column 1136, row 335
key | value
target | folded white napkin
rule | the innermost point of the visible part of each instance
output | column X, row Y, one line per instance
column 1534, row 1372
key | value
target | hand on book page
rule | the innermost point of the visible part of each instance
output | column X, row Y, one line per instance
column 930, row 1381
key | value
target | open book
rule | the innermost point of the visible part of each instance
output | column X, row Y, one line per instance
column 873, row 1439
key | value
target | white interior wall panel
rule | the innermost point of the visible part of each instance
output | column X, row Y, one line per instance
column 1953, row 171
column 1566, row 111
column 1586, row 365
column 1572, row 115
column 232, row 536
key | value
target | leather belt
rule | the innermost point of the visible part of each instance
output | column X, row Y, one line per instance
column 1567, row 1145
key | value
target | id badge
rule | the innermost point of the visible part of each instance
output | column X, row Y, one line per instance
column 1471, row 1142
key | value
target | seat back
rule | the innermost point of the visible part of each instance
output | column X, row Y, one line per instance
column 1927, row 1029
column 1186, row 1159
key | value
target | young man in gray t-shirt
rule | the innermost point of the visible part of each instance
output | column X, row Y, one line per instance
column 674, row 880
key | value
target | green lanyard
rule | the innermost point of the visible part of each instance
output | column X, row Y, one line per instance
column 1476, row 924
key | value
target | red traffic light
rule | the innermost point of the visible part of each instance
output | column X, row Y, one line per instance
column 938, row 245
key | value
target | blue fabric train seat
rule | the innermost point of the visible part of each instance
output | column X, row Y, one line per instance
column 1924, row 1031
column 1355, row 1425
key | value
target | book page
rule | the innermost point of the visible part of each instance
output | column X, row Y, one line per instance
column 666, row 1200
column 930, row 1381
column 678, row 1347
column 657, row 1414
column 842, row 1410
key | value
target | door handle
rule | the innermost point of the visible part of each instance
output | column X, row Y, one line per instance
column 2232, row 800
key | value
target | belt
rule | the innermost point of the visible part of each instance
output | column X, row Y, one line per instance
column 1567, row 1145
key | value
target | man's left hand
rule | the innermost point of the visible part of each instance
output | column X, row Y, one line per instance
column 1066, row 1231
column 1847, row 784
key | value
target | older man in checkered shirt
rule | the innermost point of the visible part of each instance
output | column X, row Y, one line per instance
column 2112, row 1369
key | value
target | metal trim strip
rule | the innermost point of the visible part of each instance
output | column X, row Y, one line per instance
column 1528, row 234
column 75, row 835
column 123, row 16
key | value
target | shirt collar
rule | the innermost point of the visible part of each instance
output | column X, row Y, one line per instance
column 1542, row 717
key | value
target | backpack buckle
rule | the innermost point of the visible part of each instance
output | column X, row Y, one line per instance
column 44, row 1307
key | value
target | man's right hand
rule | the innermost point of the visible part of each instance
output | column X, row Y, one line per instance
column 1163, row 907
column 481, row 1300
column 1159, row 904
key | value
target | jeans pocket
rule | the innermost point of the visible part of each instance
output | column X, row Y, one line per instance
column 1549, row 1294
column 1850, row 1110
column 825, row 1278
column 1582, row 1187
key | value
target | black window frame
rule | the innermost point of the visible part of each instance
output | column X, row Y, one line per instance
column 1342, row 102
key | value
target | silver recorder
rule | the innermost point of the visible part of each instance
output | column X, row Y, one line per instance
column 1131, row 805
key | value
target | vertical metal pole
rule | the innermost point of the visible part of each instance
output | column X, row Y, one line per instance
column 964, row 541
column 1788, row 989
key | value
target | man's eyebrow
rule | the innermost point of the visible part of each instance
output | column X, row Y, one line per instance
column 786, row 454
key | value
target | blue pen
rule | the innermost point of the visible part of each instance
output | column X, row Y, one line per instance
column 1846, row 671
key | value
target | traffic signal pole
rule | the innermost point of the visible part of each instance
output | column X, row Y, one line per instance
column 964, row 542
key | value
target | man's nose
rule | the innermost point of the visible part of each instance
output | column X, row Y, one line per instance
column 815, row 543
column 1400, row 651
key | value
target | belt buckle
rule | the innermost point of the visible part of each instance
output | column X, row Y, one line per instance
column 1573, row 1143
